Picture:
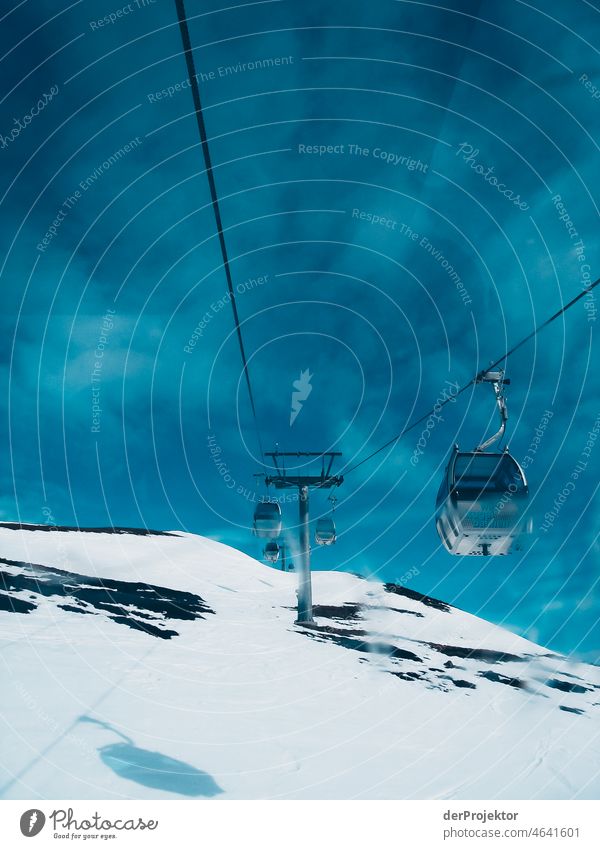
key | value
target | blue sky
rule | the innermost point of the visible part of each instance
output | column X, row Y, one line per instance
column 314, row 115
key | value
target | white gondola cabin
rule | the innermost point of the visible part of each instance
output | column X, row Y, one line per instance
column 482, row 501
column 481, row 504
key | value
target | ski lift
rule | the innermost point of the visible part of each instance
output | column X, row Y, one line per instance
column 325, row 533
column 267, row 520
column 481, row 503
column 271, row 552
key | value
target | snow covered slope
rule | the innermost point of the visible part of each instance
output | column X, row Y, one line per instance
column 143, row 665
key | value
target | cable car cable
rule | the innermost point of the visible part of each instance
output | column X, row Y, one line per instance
column 474, row 379
column 193, row 80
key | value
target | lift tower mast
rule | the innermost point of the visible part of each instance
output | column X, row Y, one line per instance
column 281, row 479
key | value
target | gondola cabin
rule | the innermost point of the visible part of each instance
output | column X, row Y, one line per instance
column 271, row 552
column 325, row 531
column 481, row 503
column 267, row 520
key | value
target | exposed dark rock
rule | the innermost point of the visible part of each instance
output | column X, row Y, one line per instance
column 408, row 676
column 424, row 599
column 487, row 655
column 342, row 638
column 349, row 610
column 566, row 686
column 140, row 532
column 134, row 604
column 517, row 683
column 15, row 605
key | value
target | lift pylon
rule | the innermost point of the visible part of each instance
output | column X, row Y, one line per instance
column 282, row 479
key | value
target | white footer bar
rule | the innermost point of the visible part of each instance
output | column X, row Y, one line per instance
column 179, row 824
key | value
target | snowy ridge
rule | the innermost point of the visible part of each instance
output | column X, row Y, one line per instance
column 166, row 665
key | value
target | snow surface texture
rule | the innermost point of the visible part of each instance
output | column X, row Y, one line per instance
column 143, row 665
